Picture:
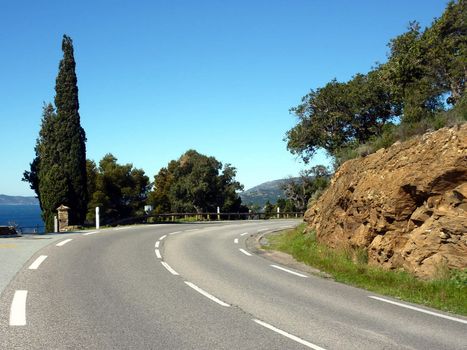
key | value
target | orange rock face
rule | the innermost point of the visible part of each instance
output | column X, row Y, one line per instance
column 407, row 205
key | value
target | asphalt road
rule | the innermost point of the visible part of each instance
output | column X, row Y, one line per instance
column 196, row 286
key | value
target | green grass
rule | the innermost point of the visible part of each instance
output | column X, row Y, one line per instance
column 448, row 293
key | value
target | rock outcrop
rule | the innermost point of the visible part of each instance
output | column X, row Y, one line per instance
column 407, row 205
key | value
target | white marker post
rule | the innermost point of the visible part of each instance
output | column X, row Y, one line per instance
column 218, row 213
column 55, row 224
column 278, row 212
column 98, row 223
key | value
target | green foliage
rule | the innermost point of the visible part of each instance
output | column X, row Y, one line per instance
column 351, row 266
column 58, row 172
column 196, row 183
column 119, row 190
column 425, row 73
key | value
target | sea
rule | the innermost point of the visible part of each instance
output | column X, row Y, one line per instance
column 26, row 217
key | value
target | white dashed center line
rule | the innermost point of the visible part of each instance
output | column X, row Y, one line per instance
column 171, row 270
column 206, row 294
column 35, row 265
column 174, row 233
column 62, row 243
column 89, row 233
column 236, row 240
column 244, row 233
column 245, row 252
column 162, row 238
column 419, row 310
column 157, row 244
column 18, row 308
column 288, row 335
column 289, row 271
column 158, row 254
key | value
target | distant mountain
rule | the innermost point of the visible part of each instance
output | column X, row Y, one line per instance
column 268, row 191
column 17, row 200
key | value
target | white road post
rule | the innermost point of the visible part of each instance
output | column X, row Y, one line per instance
column 278, row 212
column 98, row 222
column 218, row 213
column 55, row 224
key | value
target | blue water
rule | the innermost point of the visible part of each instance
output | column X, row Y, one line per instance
column 27, row 217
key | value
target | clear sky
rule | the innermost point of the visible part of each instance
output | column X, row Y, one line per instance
column 157, row 78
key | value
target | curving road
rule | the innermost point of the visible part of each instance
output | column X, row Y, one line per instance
column 196, row 286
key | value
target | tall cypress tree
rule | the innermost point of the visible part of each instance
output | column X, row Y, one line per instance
column 58, row 172
column 70, row 135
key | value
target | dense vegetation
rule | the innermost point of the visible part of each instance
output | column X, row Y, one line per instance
column 120, row 190
column 58, row 172
column 420, row 87
column 196, row 183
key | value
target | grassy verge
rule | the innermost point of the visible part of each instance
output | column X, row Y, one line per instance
column 447, row 293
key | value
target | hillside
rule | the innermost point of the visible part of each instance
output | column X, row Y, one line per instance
column 267, row 191
column 17, row 200
column 405, row 205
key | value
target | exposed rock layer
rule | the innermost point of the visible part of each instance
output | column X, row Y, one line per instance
column 407, row 205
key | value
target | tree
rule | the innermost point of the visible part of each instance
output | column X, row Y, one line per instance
column 70, row 135
column 58, row 172
column 311, row 184
column 196, row 183
column 120, row 190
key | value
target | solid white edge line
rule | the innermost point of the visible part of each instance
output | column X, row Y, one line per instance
column 171, row 270
column 89, row 233
column 18, row 308
column 193, row 230
column 419, row 310
column 288, row 335
column 174, row 233
column 35, row 265
column 62, row 243
column 120, row 228
column 158, row 254
column 245, row 252
column 289, row 271
column 262, row 230
column 244, row 233
column 206, row 294
column 157, row 244
column 162, row 238
column 236, row 240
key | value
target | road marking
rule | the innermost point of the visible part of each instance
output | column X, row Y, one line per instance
column 195, row 229
column 171, row 270
column 18, row 308
column 157, row 244
column 236, row 240
column 420, row 310
column 289, row 271
column 174, row 233
column 244, row 252
column 206, row 294
column 288, row 335
column 162, row 238
column 37, row 262
column 7, row 245
column 244, row 233
column 89, row 233
column 120, row 228
column 262, row 230
column 62, row 243
column 158, row 254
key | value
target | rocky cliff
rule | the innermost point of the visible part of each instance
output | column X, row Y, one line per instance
column 407, row 205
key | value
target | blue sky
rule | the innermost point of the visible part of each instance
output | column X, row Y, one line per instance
column 157, row 78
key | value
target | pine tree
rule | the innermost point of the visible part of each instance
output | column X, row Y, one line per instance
column 70, row 135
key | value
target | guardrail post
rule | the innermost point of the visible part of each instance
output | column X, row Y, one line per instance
column 98, row 220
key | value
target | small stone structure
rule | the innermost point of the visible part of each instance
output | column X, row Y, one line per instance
column 63, row 218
